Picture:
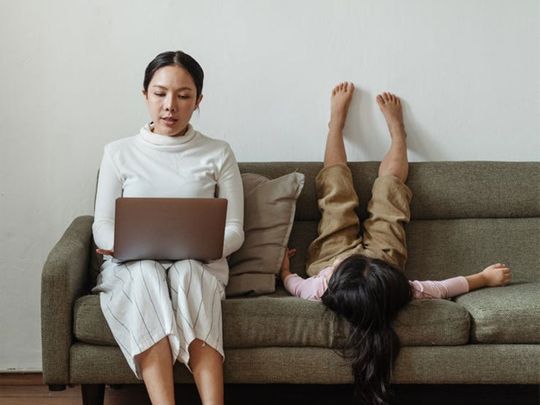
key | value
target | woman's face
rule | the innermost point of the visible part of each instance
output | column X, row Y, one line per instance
column 171, row 99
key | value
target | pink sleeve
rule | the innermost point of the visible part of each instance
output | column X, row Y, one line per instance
column 311, row 288
column 439, row 289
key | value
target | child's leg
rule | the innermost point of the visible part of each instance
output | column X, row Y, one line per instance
column 395, row 161
column 334, row 152
column 339, row 225
column 384, row 233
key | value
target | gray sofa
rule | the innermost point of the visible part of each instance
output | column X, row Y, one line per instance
column 465, row 216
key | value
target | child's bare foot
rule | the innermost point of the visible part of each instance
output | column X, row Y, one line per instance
column 390, row 106
column 340, row 101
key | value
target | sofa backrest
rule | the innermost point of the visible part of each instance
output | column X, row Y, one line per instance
column 465, row 215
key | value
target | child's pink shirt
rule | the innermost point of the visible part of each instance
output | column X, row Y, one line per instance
column 313, row 288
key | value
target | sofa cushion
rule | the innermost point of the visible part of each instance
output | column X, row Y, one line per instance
column 440, row 249
column 508, row 314
column 269, row 207
column 282, row 320
column 435, row 322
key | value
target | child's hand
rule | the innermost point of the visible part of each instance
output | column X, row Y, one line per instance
column 104, row 252
column 285, row 265
column 497, row 275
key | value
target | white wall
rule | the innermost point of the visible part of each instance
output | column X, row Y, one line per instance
column 71, row 74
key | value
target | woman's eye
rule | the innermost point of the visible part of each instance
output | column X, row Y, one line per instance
column 159, row 94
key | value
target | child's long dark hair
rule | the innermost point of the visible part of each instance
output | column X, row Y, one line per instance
column 369, row 293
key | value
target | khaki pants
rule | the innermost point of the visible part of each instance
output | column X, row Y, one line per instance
column 339, row 227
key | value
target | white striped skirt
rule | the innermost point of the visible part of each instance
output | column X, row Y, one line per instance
column 145, row 301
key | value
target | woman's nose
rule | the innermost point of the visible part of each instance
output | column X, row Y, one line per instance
column 170, row 104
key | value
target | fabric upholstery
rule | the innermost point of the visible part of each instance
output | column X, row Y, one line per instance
column 469, row 364
column 504, row 315
column 481, row 364
column 445, row 248
column 269, row 208
column 63, row 280
column 289, row 321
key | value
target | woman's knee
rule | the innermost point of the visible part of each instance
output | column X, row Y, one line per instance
column 140, row 276
column 182, row 271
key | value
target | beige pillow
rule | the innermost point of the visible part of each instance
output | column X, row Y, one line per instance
column 269, row 207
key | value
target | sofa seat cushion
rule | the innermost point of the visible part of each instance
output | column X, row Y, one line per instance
column 430, row 322
column 247, row 322
column 282, row 320
column 508, row 314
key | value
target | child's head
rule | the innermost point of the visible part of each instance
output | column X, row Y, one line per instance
column 369, row 294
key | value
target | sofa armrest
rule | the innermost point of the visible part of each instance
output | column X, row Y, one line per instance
column 64, row 279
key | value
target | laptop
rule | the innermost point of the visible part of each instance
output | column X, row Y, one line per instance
column 169, row 228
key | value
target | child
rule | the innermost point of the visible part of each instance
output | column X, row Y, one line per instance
column 360, row 278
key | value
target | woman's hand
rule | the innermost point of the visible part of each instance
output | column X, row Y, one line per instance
column 104, row 252
column 284, row 271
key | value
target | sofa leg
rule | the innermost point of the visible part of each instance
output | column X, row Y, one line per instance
column 93, row 394
column 57, row 387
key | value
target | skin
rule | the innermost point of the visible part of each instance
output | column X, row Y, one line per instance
column 156, row 365
column 394, row 163
column 171, row 100
column 496, row 275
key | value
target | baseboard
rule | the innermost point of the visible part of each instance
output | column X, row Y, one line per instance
column 21, row 379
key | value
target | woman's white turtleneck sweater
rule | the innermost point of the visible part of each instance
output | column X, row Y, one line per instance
column 153, row 165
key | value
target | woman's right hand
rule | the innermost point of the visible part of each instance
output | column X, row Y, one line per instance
column 104, row 252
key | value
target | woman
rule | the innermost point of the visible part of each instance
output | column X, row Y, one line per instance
column 360, row 278
column 162, row 311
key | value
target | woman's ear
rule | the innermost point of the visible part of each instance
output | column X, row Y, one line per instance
column 198, row 102
column 144, row 93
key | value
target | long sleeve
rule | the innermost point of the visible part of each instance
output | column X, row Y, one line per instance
column 108, row 190
column 311, row 288
column 229, row 185
column 439, row 289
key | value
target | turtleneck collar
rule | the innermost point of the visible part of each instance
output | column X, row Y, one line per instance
column 165, row 141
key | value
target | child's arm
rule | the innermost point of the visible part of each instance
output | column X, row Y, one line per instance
column 495, row 275
column 492, row 276
column 284, row 271
column 311, row 288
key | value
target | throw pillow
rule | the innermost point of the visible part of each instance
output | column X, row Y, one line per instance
column 269, row 207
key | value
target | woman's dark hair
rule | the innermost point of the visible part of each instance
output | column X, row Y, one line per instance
column 175, row 58
column 369, row 293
